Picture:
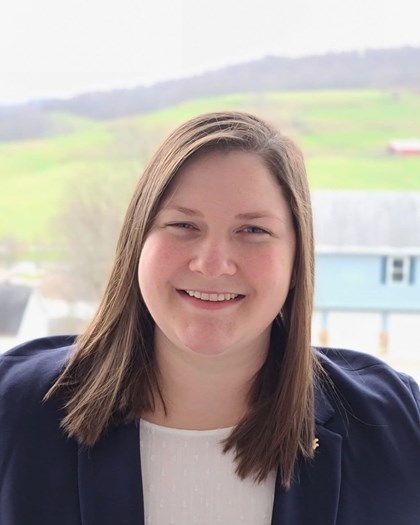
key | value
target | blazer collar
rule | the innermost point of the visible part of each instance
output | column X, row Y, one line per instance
column 314, row 494
column 110, row 485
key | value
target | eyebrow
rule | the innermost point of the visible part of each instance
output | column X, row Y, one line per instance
column 257, row 215
column 182, row 209
column 243, row 216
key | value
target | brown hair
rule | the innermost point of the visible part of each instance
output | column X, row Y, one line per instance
column 112, row 377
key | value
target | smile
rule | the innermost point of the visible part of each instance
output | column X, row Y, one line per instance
column 214, row 297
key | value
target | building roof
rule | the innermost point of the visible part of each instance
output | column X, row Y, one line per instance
column 367, row 221
column 13, row 301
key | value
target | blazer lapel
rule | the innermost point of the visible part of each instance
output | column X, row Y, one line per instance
column 110, row 485
column 314, row 494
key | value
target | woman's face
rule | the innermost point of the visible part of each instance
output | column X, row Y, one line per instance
column 216, row 266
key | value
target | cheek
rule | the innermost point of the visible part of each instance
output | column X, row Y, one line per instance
column 157, row 260
column 269, row 264
column 271, row 274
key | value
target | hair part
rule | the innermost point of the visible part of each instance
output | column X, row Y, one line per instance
column 112, row 376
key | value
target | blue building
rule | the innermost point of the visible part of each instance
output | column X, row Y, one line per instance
column 367, row 255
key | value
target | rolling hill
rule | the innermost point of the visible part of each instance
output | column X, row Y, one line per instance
column 343, row 134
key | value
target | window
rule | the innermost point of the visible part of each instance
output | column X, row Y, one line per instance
column 398, row 270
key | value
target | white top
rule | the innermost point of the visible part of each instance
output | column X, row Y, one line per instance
column 188, row 480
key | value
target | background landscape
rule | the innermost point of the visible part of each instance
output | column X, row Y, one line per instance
column 342, row 109
column 68, row 166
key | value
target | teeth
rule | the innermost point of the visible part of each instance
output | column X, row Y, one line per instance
column 212, row 296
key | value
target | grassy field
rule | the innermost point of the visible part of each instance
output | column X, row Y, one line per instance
column 342, row 133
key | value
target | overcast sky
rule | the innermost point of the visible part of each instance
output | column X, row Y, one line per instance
column 59, row 48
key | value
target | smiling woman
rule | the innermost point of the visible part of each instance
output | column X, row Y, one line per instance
column 224, row 262
column 194, row 395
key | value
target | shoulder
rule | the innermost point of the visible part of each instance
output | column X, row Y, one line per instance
column 36, row 457
column 26, row 374
column 33, row 366
column 366, row 384
column 38, row 347
column 375, row 412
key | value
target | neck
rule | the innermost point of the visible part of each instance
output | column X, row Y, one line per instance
column 203, row 392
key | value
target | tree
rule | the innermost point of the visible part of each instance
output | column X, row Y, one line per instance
column 89, row 225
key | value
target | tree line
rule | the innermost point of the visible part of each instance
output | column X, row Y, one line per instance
column 371, row 69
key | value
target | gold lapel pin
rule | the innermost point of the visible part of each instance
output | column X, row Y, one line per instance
column 315, row 444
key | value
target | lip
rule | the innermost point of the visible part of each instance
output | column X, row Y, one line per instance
column 209, row 305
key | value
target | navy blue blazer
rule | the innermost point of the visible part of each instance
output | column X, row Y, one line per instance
column 366, row 470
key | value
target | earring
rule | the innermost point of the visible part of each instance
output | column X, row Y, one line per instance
column 282, row 318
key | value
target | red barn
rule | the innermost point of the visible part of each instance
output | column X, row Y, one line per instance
column 404, row 147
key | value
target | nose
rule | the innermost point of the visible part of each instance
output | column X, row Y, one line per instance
column 213, row 258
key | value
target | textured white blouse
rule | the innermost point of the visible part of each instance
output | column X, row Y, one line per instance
column 188, row 480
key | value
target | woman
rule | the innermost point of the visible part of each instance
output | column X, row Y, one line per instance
column 194, row 396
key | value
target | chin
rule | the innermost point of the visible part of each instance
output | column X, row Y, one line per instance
column 207, row 345
column 197, row 340
column 201, row 347
column 207, row 350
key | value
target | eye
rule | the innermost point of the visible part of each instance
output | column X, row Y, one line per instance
column 182, row 225
column 254, row 230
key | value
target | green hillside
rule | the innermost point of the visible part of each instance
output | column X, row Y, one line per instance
column 342, row 133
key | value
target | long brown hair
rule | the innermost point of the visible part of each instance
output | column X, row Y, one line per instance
column 112, row 375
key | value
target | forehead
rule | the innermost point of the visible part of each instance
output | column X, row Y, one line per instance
column 233, row 172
